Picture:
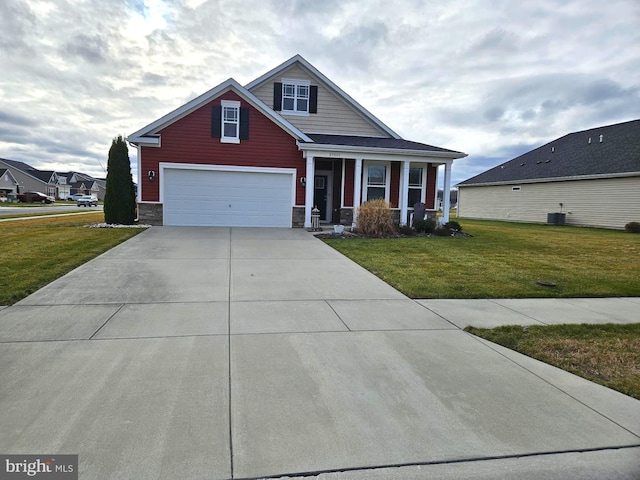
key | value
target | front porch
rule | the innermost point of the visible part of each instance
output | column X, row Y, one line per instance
column 344, row 177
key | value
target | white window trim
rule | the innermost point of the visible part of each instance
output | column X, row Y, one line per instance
column 230, row 104
column 423, row 188
column 296, row 83
column 365, row 179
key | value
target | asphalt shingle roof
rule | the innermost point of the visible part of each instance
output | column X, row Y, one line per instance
column 18, row 165
column 44, row 175
column 573, row 156
column 375, row 142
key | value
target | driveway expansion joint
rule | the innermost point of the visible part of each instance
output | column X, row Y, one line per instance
column 316, row 473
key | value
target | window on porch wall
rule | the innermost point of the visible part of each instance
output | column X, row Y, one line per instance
column 376, row 185
column 416, row 184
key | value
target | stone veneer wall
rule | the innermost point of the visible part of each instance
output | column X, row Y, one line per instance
column 297, row 217
column 150, row 213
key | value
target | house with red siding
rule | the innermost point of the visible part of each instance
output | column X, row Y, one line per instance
column 265, row 154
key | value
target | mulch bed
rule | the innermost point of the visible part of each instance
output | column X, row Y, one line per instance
column 454, row 234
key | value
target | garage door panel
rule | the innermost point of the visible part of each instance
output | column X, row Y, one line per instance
column 226, row 198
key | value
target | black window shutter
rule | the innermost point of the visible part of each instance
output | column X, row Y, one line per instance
column 313, row 99
column 277, row 96
column 244, row 124
column 216, row 121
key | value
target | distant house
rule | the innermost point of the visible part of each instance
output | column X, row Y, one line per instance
column 29, row 178
column 8, row 184
column 453, row 198
column 592, row 176
column 50, row 178
column 57, row 184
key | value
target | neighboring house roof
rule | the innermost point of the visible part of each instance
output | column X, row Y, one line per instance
column 47, row 176
column 24, row 168
column 149, row 134
column 328, row 83
column 376, row 142
column 18, row 165
column 609, row 151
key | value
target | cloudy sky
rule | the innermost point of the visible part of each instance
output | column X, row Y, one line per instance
column 490, row 78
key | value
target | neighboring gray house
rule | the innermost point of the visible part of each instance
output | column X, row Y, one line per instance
column 57, row 184
column 8, row 184
column 50, row 178
column 29, row 178
column 592, row 176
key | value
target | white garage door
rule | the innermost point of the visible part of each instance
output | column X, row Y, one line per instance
column 227, row 198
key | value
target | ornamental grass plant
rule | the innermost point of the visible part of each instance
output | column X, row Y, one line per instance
column 375, row 220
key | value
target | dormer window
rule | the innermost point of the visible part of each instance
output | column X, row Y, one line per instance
column 295, row 97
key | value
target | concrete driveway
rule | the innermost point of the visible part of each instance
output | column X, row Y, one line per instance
column 251, row 353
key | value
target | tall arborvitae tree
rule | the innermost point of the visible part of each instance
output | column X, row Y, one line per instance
column 120, row 196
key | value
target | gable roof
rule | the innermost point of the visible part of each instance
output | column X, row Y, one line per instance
column 25, row 169
column 46, row 176
column 149, row 134
column 313, row 71
column 574, row 156
column 6, row 171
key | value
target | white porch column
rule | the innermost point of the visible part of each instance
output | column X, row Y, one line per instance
column 357, row 189
column 404, row 192
column 308, row 192
column 446, row 193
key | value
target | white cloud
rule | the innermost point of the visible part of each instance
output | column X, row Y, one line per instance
column 488, row 78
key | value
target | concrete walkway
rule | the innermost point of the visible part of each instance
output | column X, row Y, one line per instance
column 246, row 353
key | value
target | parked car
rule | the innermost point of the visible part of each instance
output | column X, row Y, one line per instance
column 87, row 201
column 35, row 197
column 74, row 197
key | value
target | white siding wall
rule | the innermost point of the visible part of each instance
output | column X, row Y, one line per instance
column 334, row 116
column 609, row 203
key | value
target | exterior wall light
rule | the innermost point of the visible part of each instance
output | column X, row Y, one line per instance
column 151, row 174
column 303, row 181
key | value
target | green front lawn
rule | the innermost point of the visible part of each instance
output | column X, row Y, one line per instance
column 36, row 252
column 605, row 354
column 504, row 260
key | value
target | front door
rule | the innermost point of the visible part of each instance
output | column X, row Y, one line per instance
column 321, row 194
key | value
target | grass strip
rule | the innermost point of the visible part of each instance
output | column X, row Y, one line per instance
column 35, row 252
column 606, row 354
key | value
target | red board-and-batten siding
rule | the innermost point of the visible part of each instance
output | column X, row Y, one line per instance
column 188, row 140
column 394, row 193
